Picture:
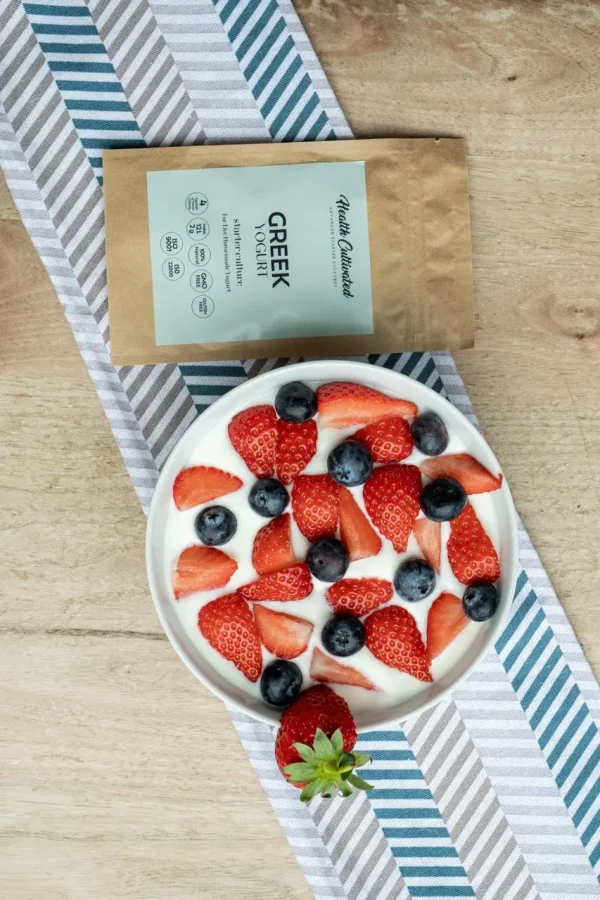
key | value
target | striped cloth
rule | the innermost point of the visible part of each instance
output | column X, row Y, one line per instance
column 493, row 794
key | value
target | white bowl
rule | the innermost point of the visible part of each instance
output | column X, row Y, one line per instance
column 249, row 393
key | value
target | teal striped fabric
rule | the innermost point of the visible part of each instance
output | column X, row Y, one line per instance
column 493, row 794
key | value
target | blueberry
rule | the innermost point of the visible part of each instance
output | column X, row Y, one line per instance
column 350, row 463
column 443, row 499
column 343, row 635
column 215, row 525
column 429, row 434
column 327, row 559
column 280, row 682
column 480, row 601
column 295, row 402
column 268, row 497
column 414, row 579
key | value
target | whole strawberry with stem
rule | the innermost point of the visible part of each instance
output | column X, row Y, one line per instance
column 314, row 744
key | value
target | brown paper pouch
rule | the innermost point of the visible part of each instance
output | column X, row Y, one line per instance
column 419, row 248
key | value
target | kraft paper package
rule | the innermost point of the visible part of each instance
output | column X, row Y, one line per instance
column 336, row 248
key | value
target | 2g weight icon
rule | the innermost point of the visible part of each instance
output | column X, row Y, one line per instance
column 197, row 228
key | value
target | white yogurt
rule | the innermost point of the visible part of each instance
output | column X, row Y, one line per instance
column 215, row 449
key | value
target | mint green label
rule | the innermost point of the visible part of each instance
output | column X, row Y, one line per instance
column 243, row 254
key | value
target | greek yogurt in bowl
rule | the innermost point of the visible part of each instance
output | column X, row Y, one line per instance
column 171, row 530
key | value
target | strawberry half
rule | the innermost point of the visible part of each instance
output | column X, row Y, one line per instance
column 293, row 583
column 392, row 499
column 388, row 440
column 272, row 548
column 429, row 539
column 358, row 596
column 343, row 403
column 445, row 621
column 253, row 433
column 296, row 446
column 314, row 744
column 229, row 627
column 285, row 636
column 471, row 553
column 315, row 506
column 199, row 484
column 327, row 670
column 465, row 469
column 202, row 569
column 358, row 535
column 393, row 637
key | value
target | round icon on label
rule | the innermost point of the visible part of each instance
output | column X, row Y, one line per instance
column 199, row 254
column 173, row 269
column 197, row 228
column 196, row 203
column 171, row 242
column 203, row 307
column 201, row 281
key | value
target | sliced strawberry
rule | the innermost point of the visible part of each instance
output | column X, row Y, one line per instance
column 358, row 535
column 202, row 569
column 470, row 551
column 358, row 596
column 387, row 440
column 272, row 549
column 393, row 637
column 392, row 499
column 342, row 404
column 315, row 506
column 285, row 636
column 465, row 469
column 199, row 484
column 445, row 621
column 429, row 539
column 253, row 433
column 229, row 627
column 324, row 668
column 296, row 446
column 294, row 583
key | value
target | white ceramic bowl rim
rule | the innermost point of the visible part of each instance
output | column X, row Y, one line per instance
column 320, row 371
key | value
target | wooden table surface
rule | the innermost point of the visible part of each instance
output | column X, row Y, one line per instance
column 122, row 777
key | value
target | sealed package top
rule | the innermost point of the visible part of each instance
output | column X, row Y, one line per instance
column 333, row 248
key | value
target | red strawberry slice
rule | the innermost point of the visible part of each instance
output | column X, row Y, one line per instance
column 358, row 535
column 342, row 404
column 296, row 447
column 388, row 440
column 465, row 469
column 272, row 549
column 470, row 551
column 358, row 596
column 199, row 484
column 393, row 637
column 429, row 539
column 253, row 433
column 285, row 636
column 392, row 499
column 202, row 569
column 325, row 669
column 228, row 626
column 445, row 621
column 293, row 583
column 315, row 506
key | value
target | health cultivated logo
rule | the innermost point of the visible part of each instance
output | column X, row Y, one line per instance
column 345, row 246
column 275, row 260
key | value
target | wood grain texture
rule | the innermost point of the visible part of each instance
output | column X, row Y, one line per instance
column 104, row 789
